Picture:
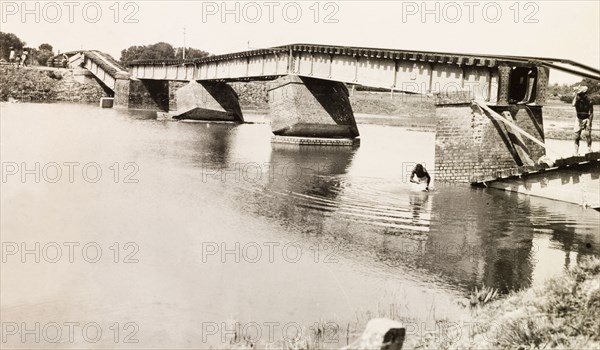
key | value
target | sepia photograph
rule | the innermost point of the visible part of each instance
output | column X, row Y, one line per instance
column 299, row 175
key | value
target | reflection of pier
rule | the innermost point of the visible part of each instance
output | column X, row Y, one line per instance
column 304, row 182
column 211, row 145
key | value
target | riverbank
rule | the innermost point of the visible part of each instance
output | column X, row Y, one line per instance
column 45, row 85
column 560, row 119
column 561, row 314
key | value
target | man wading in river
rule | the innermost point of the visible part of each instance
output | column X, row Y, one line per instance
column 421, row 174
column 585, row 114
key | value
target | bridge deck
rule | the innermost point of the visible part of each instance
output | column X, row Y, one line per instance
column 402, row 70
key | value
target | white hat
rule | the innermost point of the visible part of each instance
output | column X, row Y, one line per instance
column 582, row 89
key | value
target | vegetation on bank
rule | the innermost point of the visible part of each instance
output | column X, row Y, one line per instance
column 36, row 56
column 159, row 51
column 39, row 56
column 566, row 92
column 561, row 314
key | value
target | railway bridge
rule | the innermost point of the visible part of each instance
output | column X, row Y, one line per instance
column 488, row 109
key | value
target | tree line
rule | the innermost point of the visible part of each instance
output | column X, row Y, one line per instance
column 566, row 92
column 38, row 55
column 159, row 51
column 41, row 54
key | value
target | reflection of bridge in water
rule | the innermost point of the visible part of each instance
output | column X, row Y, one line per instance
column 492, row 238
column 500, row 241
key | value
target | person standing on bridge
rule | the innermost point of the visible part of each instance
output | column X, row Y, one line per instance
column 585, row 113
column 421, row 174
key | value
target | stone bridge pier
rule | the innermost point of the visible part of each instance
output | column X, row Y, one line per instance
column 302, row 108
column 142, row 94
column 208, row 100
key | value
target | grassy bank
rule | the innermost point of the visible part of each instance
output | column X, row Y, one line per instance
column 401, row 105
column 561, row 314
column 253, row 96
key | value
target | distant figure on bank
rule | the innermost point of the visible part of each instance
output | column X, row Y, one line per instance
column 24, row 58
column 65, row 61
column 585, row 113
column 420, row 172
column 12, row 56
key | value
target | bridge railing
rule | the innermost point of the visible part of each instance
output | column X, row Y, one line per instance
column 100, row 73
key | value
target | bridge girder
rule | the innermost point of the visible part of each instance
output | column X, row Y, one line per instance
column 396, row 74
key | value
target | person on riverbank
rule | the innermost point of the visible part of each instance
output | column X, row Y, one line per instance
column 421, row 174
column 24, row 58
column 12, row 56
column 585, row 113
column 65, row 61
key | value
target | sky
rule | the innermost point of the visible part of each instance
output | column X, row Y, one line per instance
column 558, row 29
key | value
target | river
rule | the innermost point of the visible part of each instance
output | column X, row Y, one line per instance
column 161, row 231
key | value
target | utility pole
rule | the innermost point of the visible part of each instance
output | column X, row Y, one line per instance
column 184, row 42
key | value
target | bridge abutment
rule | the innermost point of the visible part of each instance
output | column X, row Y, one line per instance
column 302, row 107
column 208, row 100
column 470, row 145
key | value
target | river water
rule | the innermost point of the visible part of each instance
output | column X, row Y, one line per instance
column 162, row 232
